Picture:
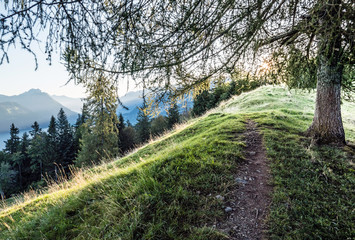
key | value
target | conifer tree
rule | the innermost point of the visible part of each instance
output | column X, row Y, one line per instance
column 121, row 126
column 35, row 129
column 100, row 136
column 7, row 178
column 143, row 123
column 12, row 144
column 65, row 146
column 129, row 136
column 201, row 102
column 25, row 172
column 159, row 125
column 173, row 115
column 38, row 153
column 21, row 159
column 79, row 128
column 51, row 156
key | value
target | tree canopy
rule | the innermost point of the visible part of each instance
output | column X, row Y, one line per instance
column 177, row 38
column 180, row 44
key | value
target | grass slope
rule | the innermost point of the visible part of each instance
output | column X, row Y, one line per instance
column 167, row 189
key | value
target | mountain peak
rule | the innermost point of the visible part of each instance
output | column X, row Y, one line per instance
column 34, row 91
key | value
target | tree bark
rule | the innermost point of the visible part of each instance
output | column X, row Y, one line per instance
column 327, row 125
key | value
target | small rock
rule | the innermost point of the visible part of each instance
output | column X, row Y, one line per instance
column 228, row 209
column 239, row 180
column 250, row 179
column 219, row 197
column 198, row 192
column 252, row 153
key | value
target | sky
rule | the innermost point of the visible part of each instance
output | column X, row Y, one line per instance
column 20, row 75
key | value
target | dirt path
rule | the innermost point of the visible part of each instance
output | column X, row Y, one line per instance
column 248, row 203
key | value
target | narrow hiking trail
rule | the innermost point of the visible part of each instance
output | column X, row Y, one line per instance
column 249, row 201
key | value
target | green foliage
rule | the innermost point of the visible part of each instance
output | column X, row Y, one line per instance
column 65, row 146
column 38, row 153
column 208, row 99
column 164, row 191
column 25, row 160
column 312, row 194
column 167, row 189
column 159, row 125
column 51, row 153
column 100, row 135
column 7, row 177
column 129, row 136
column 12, row 144
column 35, row 129
column 143, row 124
column 79, row 128
column 200, row 103
column 294, row 68
column 173, row 115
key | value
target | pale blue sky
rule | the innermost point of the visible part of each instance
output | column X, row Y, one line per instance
column 19, row 75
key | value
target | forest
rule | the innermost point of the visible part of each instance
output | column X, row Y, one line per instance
column 37, row 158
column 266, row 152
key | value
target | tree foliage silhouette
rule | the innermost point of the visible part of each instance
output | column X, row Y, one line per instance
column 177, row 45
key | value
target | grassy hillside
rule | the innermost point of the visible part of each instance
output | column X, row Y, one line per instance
column 167, row 189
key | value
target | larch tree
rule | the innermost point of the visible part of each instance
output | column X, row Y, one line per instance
column 100, row 134
column 177, row 45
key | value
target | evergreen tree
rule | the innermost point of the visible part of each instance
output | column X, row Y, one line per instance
column 79, row 128
column 21, row 158
column 39, row 155
column 25, row 171
column 201, row 103
column 51, row 155
column 12, row 144
column 232, row 88
column 159, row 125
column 35, row 129
column 129, row 136
column 7, row 178
column 121, row 126
column 143, row 124
column 173, row 116
column 100, row 137
column 65, row 146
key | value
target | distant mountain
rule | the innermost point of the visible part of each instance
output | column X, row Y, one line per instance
column 24, row 109
column 74, row 104
column 133, row 100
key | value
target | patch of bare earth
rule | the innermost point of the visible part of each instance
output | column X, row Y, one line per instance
column 247, row 205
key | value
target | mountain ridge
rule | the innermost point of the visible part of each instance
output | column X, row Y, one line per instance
column 26, row 108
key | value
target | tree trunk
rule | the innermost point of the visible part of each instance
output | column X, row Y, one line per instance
column 327, row 125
